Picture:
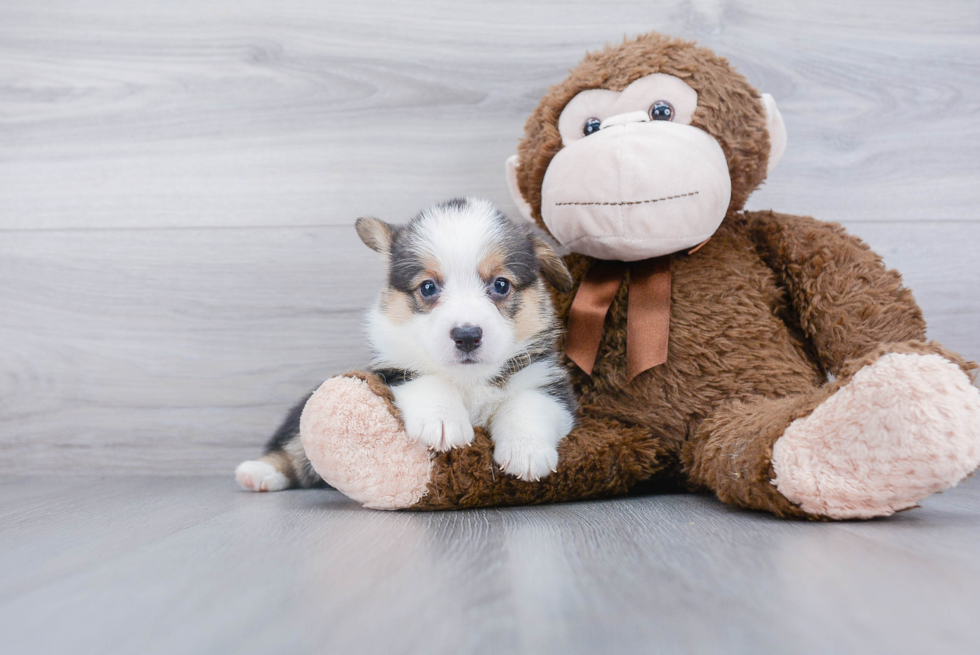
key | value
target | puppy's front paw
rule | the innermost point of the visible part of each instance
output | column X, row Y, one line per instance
column 433, row 413
column 524, row 456
column 526, row 431
column 439, row 427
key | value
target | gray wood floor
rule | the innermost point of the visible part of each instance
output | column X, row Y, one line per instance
column 178, row 182
column 192, row 565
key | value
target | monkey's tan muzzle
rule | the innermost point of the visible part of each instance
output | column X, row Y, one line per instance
column 636, row 190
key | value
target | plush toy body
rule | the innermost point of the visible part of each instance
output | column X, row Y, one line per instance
column 739, row 403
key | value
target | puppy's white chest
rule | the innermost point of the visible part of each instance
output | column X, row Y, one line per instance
column 481, row 401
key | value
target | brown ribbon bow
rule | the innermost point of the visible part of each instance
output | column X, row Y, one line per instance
column 647, row 318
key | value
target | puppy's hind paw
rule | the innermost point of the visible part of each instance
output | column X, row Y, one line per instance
column 256, row 475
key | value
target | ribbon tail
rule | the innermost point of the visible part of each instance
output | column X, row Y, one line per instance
column 648, row 318
column 588, row 312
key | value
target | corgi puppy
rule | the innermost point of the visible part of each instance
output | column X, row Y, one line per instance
column 465, row 335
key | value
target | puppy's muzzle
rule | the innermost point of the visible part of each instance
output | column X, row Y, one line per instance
column 466, row 337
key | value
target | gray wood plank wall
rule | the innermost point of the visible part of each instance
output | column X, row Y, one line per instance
column 178, row 183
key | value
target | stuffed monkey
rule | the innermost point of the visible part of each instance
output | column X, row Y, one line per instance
column 767, row 358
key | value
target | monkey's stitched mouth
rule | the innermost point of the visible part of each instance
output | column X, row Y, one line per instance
column 630, row 202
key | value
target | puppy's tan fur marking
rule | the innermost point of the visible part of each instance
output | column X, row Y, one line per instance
column 492, row 265
column 396, row 306
column 530, row 318
column 283, row 463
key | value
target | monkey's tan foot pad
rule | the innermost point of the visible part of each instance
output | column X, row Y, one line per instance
column 355, row 443
column 903, row 428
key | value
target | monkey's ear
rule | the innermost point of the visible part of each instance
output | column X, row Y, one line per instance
column 552, row 266
column 375, row 233
column 777, row 131
column 515, row 193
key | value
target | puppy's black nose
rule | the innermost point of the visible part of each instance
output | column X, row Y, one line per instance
column 467, row 337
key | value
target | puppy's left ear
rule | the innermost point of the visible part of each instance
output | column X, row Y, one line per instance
column 552, row 266
column 375, row 233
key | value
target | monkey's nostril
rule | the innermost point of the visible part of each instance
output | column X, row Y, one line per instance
column 466, row 337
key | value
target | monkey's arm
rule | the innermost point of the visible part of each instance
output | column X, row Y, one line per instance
column 351, row 432
column 846, row 301
column 600, row 458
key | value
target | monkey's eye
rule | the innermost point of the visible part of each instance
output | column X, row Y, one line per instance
column 591, row 126
column 501, row 286
column 661, row 110
column 428, row 289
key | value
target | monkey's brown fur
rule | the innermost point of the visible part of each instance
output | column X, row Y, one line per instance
column 759, row 317
column 749, row 352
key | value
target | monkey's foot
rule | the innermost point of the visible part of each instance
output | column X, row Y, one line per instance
column 356, row 444
column 903, row 428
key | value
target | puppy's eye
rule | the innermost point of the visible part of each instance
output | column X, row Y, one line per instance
column 661, row 110
column 428, row 289
column 501, row 286
column 592, row 125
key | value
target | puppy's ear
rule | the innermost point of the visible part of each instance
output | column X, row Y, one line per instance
column 552, row 266
column 375, row 233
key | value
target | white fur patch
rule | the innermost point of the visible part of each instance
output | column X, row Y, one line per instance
column 256, row 475
column 526, row 430
column 433, row 413
column 905, row 427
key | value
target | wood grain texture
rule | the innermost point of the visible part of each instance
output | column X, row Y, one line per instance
column 192, row 565
column 173, row 349
column 178, row 351
column 178, row 181
column 137, row 114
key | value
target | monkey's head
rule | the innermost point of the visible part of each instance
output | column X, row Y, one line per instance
column 644, row 149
